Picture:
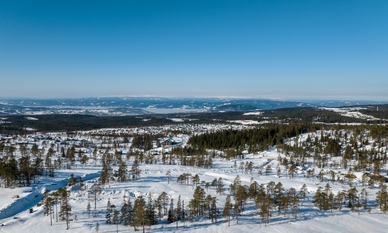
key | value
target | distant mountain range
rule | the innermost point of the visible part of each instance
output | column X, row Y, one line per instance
column 123, row 106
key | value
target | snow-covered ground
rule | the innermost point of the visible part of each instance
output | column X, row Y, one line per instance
column 153, row 180
column 16, row 217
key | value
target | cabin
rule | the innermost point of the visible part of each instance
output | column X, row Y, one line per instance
column 168, row 142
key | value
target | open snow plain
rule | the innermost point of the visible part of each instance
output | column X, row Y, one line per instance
column 15, row 214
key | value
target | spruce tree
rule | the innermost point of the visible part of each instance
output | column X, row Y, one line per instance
column 213, row 210
column 126, row 212
column 178, row 211
column 108, row 212
column 170, row 216
column 122, row 171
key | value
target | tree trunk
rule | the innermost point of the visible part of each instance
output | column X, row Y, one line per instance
column 51, row 219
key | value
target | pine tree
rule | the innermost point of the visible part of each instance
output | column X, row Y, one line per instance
column 88, row 208
column 241, row 197
column 135, row 169
column 207, row 205
column 352, row 195
column 294, row 206
column 364, row 196
column 382, row 198
column 116, row 219
column 331, row 201
column 260, row 197
column 197, row 203
column 104, row 178
column 219, row 186
column 270, row 187
column 48, row 205
column 253, row 189
column 56, row 198
column 65, row 211
column 168, row 174
column 84, row 160
column 236, row 211
column 97, row 226
column 303, row 192
column 339, row 199
column 227, row 209
column 151, row 211
column 265, row 210
column 95, row 190
column 139, row 218
column 162, row 200
column 318, row 198
column 329, row 198
column 235, row 185
column 195, row 180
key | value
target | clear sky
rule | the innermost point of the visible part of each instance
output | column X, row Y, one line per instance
column 266, row 49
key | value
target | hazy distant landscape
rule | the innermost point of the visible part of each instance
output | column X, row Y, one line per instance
column 122, row 106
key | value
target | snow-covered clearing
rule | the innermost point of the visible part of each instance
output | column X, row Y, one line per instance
column 245, row 122
column 256, row 113
column 352, row 112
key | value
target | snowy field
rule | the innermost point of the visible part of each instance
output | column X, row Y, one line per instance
column 15, row 204
column 154, row 181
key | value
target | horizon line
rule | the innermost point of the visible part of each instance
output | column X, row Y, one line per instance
column 193, row 97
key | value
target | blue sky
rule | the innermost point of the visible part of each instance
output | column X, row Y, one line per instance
column 263, row 49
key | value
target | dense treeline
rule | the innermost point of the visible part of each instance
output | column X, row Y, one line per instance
column 265, row 137
column 254, row 139
column 46, row 123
